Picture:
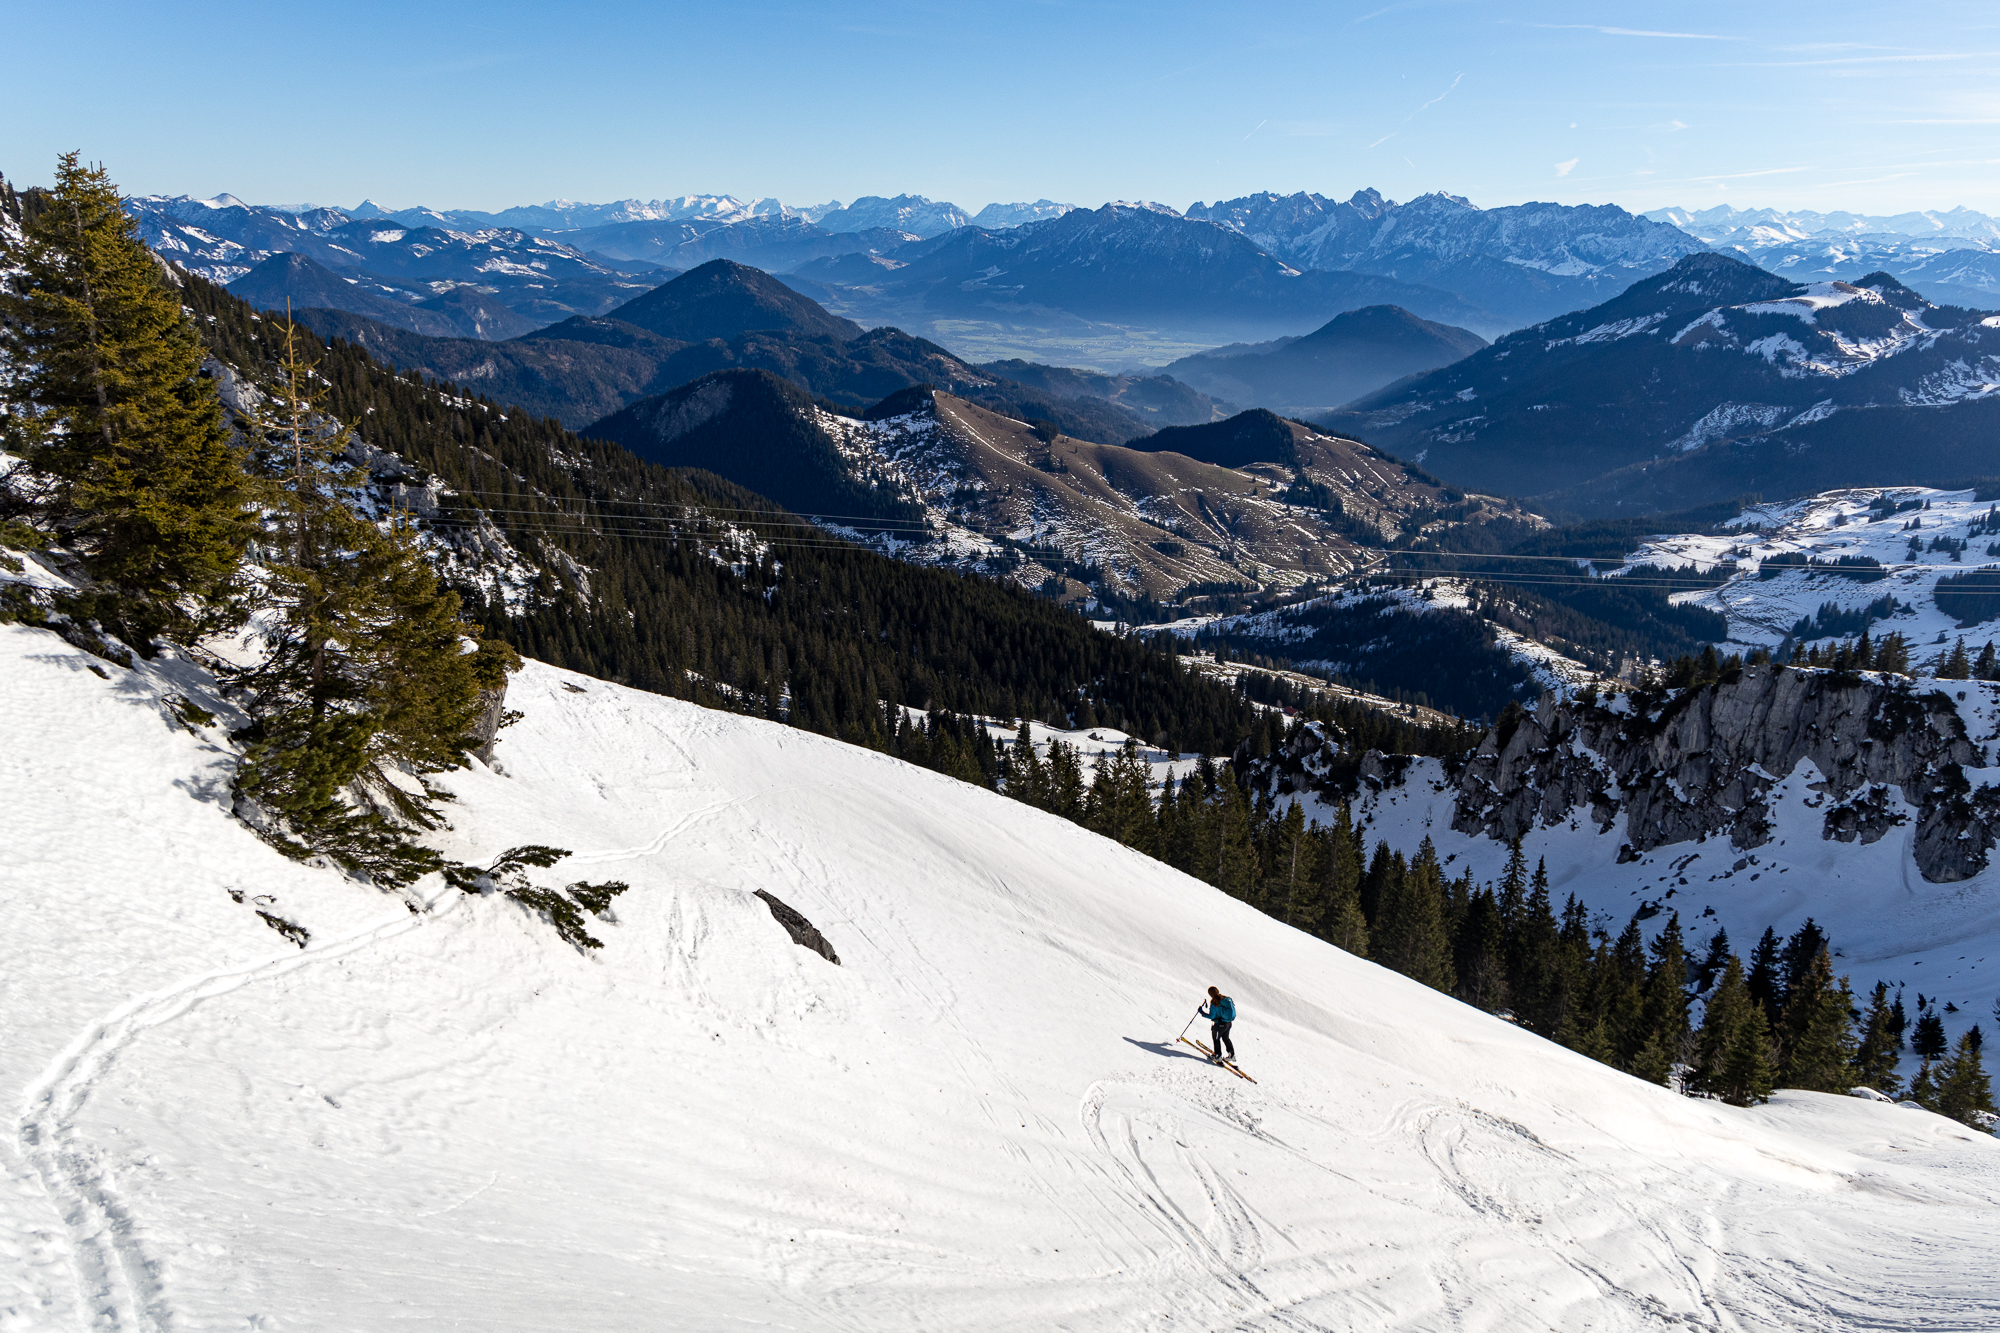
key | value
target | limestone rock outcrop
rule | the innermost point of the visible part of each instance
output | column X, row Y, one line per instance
column 1703, row 761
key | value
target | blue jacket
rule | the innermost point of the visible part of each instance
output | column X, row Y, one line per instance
column 1220, row 1011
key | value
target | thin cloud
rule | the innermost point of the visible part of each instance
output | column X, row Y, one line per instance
column 1384, row 139
column 1564, row 168
column 1640, row 32
column 1258, row 126
column 1435, row 100
column 1865, row 60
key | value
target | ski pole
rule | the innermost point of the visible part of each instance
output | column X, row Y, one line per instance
column 1190, row 1022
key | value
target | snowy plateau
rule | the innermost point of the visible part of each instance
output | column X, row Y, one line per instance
column 434, row 1113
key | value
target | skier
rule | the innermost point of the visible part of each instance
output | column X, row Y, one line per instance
column 1220, row 1011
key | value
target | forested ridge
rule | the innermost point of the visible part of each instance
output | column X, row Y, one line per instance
column 795, row 624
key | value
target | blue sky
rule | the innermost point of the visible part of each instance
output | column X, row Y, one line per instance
column 1871, row 107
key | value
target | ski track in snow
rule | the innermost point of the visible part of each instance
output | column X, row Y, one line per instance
column 118, row 1286
column 978, row 1121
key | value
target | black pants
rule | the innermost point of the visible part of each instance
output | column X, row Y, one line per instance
column 1219, row 1037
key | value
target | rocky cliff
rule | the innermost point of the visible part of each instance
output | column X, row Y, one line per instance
column 1702, row 763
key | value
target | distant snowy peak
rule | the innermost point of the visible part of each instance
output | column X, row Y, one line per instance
column 1723, row 225
column 1951, row 256
column 1359, row 233
column 998, row 217
column 906, row 212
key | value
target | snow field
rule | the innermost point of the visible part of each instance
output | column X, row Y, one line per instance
column 447, row 1117
column 1885, row 922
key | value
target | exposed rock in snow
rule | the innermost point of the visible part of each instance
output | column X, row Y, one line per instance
column 1702, row 765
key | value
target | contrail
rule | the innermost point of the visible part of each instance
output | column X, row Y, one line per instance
column 1439, row 98
column 1258, row 126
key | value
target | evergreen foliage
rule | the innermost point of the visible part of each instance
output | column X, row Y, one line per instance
column 370, row 679
column 1732, row 1058
column 704, row 591
column 128, row 457
column 1880, row 1046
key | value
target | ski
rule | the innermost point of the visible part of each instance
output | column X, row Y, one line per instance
column 1210, row 1057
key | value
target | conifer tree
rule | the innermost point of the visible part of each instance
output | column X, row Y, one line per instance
column 128, row 456
column 1535, row 979
column 1342, row 922
column 1875, row 1056
column 1235, row 866
column 1663, row 1008
column 1479, row 952
column 1409, row 932
column 1796, row 960
column 1928, row 1041
column 1732, row 1059
column 1120, row 799
column 1513, row 890
column 368, row 669
column 1713, row 960
column 1026, row 781
column 1964, row 1092
column 1817, row 1038
column 1619, row 993
column 1064, row 782
column 1291, row 890
column 1765, row 979
column 1893, row 655
column 1382, row 867
column 1956, row 665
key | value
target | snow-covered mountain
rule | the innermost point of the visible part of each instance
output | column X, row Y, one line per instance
column 1712, row 350
column 977, row 1119
column 906, row 212
column 1525, row 263
column 996, row 217
column 541, row 280
column 1722, row 225
column 1952, row 257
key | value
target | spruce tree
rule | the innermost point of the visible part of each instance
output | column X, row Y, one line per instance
column 369, row 668
column 1663, row 1008
column 1025, row 780
column 1765, row 979
column 128, row 456
column 1342, row 922
column 1382, row 867
column 1875, row 1057
column 1817, row 1037
column 1957, row 665
column 1293, row 878
column 1534, row 976
column 1410, row 930
column 1732, row 1056
column 1964, row 1092
column 1928, row 1041
column 1479, row 953
column 1797, row 959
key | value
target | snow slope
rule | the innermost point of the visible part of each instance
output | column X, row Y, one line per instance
column 1826, row 527
column 1884, row 921
column 441, row 1116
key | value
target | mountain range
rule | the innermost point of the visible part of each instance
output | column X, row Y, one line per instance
column 1251, row 503
column 1951, row 256
column 1523, row 264
column 724, row 315
column 1350, row 355
column 1712, row 379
